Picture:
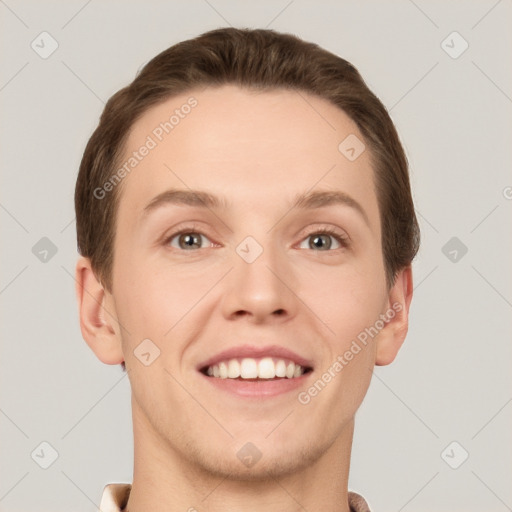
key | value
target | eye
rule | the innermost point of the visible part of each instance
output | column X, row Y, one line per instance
column 322, row 240
column 186, row 240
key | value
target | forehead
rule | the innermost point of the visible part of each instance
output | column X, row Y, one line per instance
column 257, row 148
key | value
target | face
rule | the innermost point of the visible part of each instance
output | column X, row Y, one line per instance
column 252, row 282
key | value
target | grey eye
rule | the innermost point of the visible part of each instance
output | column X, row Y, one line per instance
column 321, row 241
column 187, row 240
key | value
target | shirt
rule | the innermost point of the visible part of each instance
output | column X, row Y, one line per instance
column 115, row 498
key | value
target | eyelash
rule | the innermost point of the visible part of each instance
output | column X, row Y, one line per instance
column 343, row 240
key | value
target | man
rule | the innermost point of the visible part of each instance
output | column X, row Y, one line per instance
column 246, row 227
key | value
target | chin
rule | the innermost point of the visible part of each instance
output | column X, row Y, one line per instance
column 250, row 463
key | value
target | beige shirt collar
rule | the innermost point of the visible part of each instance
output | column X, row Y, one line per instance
column 115, row 498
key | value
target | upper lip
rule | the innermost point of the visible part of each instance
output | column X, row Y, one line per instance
column 256, row 352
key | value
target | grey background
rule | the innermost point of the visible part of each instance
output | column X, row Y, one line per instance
column 452, row 378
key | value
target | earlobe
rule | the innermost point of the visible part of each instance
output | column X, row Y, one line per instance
column 98, row 321
column 392, row 336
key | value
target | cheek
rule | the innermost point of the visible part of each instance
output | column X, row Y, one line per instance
column 347, row 300
column 152, row 297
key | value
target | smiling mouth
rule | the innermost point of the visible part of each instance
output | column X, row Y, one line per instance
column 256, row 369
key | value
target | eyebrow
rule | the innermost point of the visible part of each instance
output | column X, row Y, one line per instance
column 305, row 201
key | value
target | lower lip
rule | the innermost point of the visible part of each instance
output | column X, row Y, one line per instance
column 260, row 388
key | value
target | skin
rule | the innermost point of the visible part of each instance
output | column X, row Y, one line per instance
column 259, row 150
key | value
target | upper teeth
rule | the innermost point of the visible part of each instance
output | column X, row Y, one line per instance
column 249, row 368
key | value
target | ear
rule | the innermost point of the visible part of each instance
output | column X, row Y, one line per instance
column 98, row 318
column 392, row 336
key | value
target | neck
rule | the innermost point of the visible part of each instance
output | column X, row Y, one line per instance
column 166, row 480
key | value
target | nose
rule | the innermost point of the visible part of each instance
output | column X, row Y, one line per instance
column 261, row 290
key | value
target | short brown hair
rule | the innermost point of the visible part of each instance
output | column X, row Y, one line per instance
column 252, row 58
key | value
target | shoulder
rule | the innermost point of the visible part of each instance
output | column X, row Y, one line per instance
column 115, row 497
column 357, row 503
